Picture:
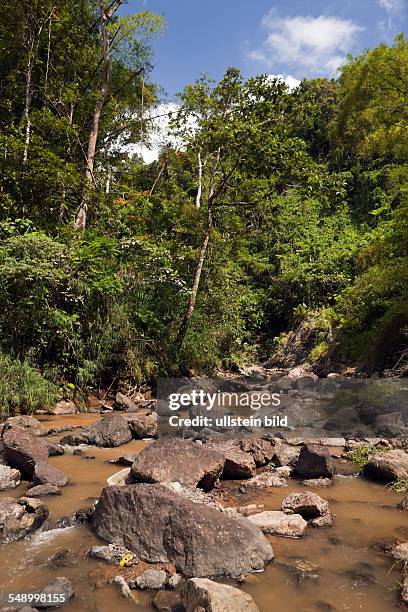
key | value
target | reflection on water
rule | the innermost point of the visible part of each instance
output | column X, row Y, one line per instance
column 352, row 575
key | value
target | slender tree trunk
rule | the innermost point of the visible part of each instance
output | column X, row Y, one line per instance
column 200, row 180
column 157, row 179
column 27, row 101
column 201, row 259
column 82, row 216
column 48, row 58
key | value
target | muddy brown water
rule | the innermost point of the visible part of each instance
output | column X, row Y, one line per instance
column 352, row 575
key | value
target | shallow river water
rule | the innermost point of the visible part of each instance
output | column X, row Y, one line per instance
column 352, row 575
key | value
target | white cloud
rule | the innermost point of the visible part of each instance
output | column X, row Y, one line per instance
column 392, row 6
column 311, row 44
column 159, row 133
column 290, row 81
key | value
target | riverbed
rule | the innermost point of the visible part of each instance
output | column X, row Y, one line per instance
column 350, row 573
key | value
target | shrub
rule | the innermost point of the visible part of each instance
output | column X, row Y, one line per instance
column 23, row 387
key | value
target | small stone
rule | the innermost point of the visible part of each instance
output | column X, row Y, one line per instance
column 43, row 490
column 317, row 482
column 279, row 523
column 114, row 554
column 44, row 473
column 123, row 585
column 309, row 505
column 9, row 478
column 323, row 521
column 174, row 581
column 150, row 579
column 202, row 593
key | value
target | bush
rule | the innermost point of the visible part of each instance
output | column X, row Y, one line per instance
column 23, row 387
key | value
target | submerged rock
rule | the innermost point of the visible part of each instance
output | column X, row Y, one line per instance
column 275, row 522
column 318, row 482
column 404, row 591
column 168, row 601
column 9, row 478
column 20, row 517
column 403, row 505
column 314, row 462
column 161, row 526
column 387, row 466
column 178, row 460
column 210, row 596
column 22, row 450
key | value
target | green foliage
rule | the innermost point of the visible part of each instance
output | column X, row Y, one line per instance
column 360, row 455
column 23, row 388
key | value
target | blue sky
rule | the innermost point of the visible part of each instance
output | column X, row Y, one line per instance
column 299, row 38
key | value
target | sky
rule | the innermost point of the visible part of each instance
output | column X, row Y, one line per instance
column 290, row 38
column 294, row 38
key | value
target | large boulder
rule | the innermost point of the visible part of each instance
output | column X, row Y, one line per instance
column 285, row 454
column 25, row 422
column 22, row 450
column 142, row 425
column 9, row 478
column 387, row 466
column 20, row 517
column 111, row 431
column 209, row 596
column 160, row 526
column 123, row 402
column 275, row 522
column 178, row 460
column 48, row 474
column 314, row 462
column 309, row 505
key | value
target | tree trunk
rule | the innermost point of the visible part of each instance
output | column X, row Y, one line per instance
column 200, row 180
column 27, row 101
column 201, row 259
column 82, row 216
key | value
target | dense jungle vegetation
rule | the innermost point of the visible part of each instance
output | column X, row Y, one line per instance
column 277, row 233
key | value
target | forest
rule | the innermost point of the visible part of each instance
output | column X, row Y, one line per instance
column 276, row 233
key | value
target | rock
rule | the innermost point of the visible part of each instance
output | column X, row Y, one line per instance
column 403, row 505
column 215, row 597
column 113, row 554
column 26, row 422
column 62, row 558
column 285, row 471
column 20, row 517
column 150, row 579
column 161, row 526
column 333, row 376
column 250, row 509
column 359, row 577
column 48, row 474
column 9, row 478
column 123, row 402
column 309, row 505
column 43, row 490
column 168, row 601
column 54, row 431
column 261, row 450
column 404, row 591
column 174, row 581
column 323, row 521
column 121, row 478
column 279, row 523
column 198, row 496
column 264, row 480
column 303, row 570
column 314, row 462
column 64, row 407
column 238, row 464
column 387, row 466
column 54, row 450
column 399, row 552
column 178, row 460
column 284, row 454
column 22, row 450
column 318, row 482
column 124, row 587
column 301, row 372
column 57, row 594
column 142, row 425
column 111, row 431
column 126, row 460
column 84, row 515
